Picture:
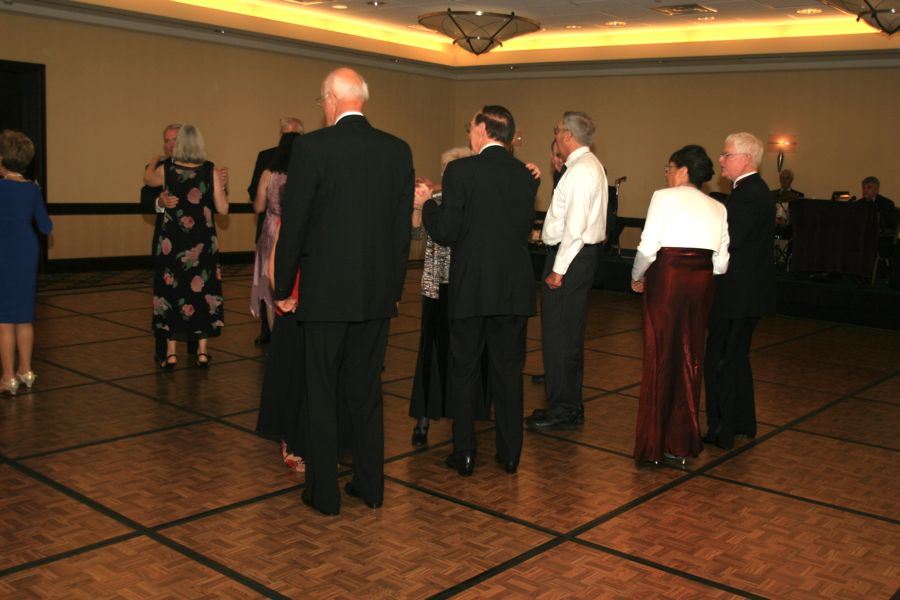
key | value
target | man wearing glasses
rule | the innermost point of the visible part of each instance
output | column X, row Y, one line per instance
column 573, row 229
column 743, row 295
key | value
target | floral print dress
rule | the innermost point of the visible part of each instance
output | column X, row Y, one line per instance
column 187, row 282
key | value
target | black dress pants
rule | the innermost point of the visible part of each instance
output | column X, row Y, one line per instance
column 563, row 319
column 504, row 337
column 348, row 356
column 730, row 404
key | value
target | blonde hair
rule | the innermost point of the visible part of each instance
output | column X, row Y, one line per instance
column 452, row 154
column 189, row 145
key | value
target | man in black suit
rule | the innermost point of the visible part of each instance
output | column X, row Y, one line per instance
column 345, row 224
column 263, row 160
column 887, row 215
column 485, row 218
column 743, row 295
column 154, row 201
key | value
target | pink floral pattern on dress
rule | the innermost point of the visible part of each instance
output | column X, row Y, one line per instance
column 187, row 285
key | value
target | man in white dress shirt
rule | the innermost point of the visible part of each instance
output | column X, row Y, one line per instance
column 574, row 227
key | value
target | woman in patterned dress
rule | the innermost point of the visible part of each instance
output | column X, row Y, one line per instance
column 187, row 283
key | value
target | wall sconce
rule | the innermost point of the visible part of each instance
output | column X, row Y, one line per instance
column 782, row 144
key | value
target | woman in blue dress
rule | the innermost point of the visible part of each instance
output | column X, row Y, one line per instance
column 22, row 208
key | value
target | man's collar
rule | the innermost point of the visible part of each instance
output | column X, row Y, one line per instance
column 347, row 114
column 735, row 182
column 573, row 156
column 491, row 144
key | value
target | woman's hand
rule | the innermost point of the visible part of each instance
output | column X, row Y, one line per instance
column 423, row 193
column 637, row 286
column 535, row 170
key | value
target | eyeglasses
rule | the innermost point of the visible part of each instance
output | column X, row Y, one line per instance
column 730, row 154
column 321, row 99
column 556, row 130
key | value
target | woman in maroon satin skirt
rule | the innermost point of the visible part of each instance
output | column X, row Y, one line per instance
column 684, row 243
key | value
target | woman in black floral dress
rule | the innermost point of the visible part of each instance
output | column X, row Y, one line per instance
column 187, row 282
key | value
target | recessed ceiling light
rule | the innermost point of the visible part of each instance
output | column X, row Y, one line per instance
column 376, row 3
column 339, row 6
column 573, row 26
column 615, row 23
column 809, row 11
column 706, row 18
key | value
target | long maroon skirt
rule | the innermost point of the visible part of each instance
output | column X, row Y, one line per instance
column 678, row 292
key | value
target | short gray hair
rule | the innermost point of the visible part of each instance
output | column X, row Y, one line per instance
column 448, row 156
column 290, row 124
column 747, row 143
column 581, row 126
column 871, row 179
column 189, row 145
column 342, row 85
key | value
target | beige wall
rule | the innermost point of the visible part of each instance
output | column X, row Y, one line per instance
column 846, row 123
column 110, row 91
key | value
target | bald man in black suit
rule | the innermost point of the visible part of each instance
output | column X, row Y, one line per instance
column 345, row 224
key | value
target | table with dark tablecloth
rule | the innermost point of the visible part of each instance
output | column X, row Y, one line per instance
column 834, row 237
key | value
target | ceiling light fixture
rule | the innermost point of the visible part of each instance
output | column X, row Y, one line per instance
column 809, row 11
column 478, row 31
column 883, row 15
column 615, row 23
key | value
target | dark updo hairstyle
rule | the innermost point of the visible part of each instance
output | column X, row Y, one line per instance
column 16, row 150
column 698, row 163
column 282, row 157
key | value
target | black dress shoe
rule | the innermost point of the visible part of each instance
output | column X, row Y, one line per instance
column 261, row 340
column 309, row 503
column 419, row 437
column 555, row 420
column 539, row 378
column 351, row 491
column 463, row 462
column 508, row 465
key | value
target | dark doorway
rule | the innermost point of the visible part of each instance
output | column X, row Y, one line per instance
column 23, row 107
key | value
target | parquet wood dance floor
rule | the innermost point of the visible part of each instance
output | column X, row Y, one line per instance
column 118, row 480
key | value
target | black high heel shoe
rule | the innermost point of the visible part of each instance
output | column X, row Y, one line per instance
column 420, row 436
column 168, row 365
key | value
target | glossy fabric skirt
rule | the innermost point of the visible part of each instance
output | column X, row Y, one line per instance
column 678, row 294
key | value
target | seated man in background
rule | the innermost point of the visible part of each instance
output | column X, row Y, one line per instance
column 783, row 195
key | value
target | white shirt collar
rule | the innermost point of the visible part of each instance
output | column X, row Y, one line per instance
column 573, row 156
column 489, row 144
column 735, row 182
column 347, row 114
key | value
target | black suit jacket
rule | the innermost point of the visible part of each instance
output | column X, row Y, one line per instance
column 148, row 206
column 748, row 288
column 485, row 217
column 346, row 211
